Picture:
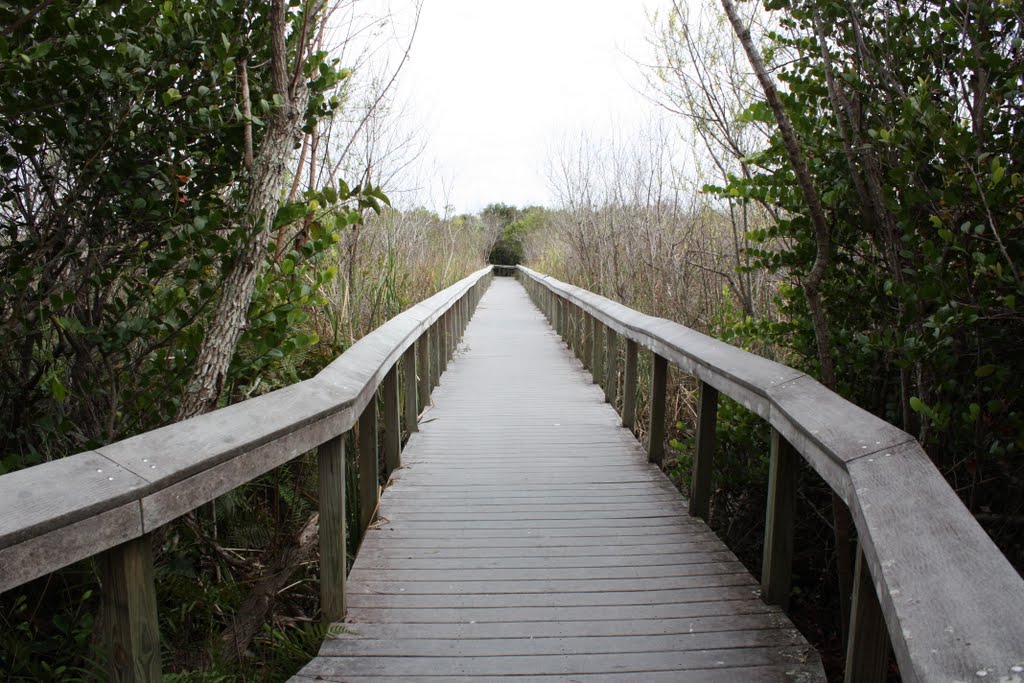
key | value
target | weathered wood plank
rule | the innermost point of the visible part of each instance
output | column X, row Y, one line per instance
column 423, row 381
column 867, row 653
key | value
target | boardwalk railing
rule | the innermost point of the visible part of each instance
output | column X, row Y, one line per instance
column 108, row 502
column 926, row 572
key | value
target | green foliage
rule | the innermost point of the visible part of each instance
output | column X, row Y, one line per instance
column 931, row 291
column 518, row 224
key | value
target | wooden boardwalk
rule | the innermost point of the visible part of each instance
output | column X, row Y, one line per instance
column 526, row 536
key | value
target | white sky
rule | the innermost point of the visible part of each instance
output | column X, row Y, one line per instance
column 494, row 85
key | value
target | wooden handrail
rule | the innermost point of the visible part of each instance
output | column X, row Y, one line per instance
column 952, row 603
column 109, row 500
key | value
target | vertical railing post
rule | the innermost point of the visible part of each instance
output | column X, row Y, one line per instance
column 392, row 423
column 423, row 369
column 867, row 649
column 570, row 337
column 409, row 390
column 629, row 387
column 369, row 487
column 597, row 353
column 560, row 328
column 777, row 565
column 435, row 355
column 588, row 337
column 333, row 560
column 611, row 366
column 700, row 479
column 444, row 346
column 656, row 428
column 128, row 606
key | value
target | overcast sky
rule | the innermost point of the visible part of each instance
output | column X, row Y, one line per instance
column 494, row 85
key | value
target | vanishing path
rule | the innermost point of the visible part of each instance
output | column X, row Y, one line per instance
column 526, row 535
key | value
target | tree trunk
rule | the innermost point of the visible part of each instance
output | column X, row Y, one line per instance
column 252, row 613
column 822, row 234
column 266, row 183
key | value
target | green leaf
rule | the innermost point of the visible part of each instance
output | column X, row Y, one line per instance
column 171, row 96
column 984, row 371
column 917, row 405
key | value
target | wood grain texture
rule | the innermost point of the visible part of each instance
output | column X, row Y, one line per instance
column 333, row 547
column 526, row 535
column 128, row 612
column 867, row 652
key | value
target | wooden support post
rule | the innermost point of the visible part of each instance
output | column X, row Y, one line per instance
column 561, row 318
column 611, row 366
column 588, row 345
column 392, row 423
column 333, row 561
column 409, row 390
column 369, row 485
column 570, row 331
column 777, row 566
column 597, row 353
column 656, row 429
column 629, row 387
column 435, row 360
column 445, row 345
column 128, row 608
column 867, row 651
column 423, row 369
column 700, row 479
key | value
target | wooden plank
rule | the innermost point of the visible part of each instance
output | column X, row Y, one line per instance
column 703, row 457
column 333, row 546
column 777, row 565
column 409, row 390
column 369, row 477
column 131, row 629
column 611, row 369
column 867, row 653
column 392, row 423
column 656, row 426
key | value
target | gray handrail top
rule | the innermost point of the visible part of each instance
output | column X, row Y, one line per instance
column 59, row 512
column 953, row 603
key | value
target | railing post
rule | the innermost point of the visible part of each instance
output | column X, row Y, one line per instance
column 560, row 327
column 409, row 391
column 333, row 561
column 423, row 368
column 611, row 366
column 656, row 429
column 570, row 337
column 443, row 347
column 597, row 353
column 392, row 423
column 369, row 487
column 128, row 608
column 777, row 565
column 629, row 387
column 867, row 650
column 588, row 347
column 435, row 355
column 700, row 479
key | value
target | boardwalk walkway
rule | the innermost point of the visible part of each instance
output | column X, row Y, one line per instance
column 527, row 536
